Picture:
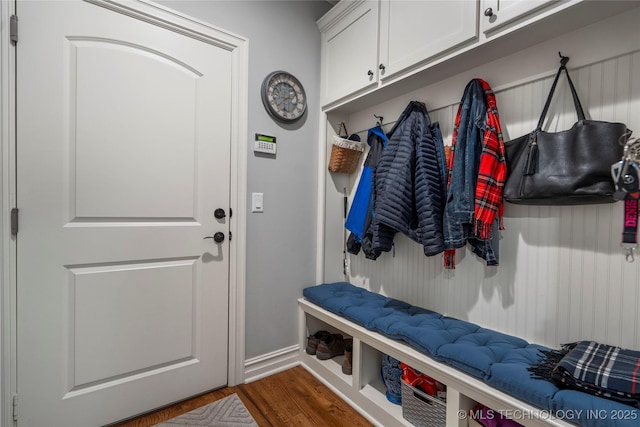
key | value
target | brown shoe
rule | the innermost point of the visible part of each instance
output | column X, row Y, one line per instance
column 330, row 346
column 347, row 367
column 313, row 340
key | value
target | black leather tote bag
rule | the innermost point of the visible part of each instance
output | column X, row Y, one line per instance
column 571, row 167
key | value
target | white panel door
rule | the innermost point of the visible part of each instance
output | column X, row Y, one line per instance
column 123, row 155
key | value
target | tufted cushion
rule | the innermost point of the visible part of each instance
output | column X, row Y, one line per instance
column 366, row 313
column 429, row 334
column 341, row 296
column 501, row 360
column 511, row 376
column 591, row 411
column 475, row 353
column 394, row 324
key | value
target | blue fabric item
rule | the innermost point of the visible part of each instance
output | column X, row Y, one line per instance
column 460, row 205
column 359, row 207
column 476, row 353
column 409, row 189
column 428, row 335
column 460, row 208
column 355, row 304
column 368, row 313
column 511, row 376
column 591, row 411
column 391, row 373
column 362, row 205
column 394, row 324
column 600, row 369
column 500, row 360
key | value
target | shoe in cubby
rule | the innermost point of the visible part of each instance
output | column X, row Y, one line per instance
column 330, row 346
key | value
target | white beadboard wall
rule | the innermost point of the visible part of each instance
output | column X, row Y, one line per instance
column 562, row 275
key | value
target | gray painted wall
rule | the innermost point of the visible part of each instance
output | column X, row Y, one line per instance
column 281, row 242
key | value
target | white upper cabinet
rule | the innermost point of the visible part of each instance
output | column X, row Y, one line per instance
column 412, row 32
column 497, row 13
column 368, row 46
column 407, row 32
column 350, row 50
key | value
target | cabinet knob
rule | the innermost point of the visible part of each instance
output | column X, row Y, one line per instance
column 381, row 67
column 488, row 12
column 370, row 73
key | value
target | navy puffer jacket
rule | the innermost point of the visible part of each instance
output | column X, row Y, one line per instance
column 410, row 183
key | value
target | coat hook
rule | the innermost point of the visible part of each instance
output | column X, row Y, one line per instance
column 380, row 118
column 563, row 60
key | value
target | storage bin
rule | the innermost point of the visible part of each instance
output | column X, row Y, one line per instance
column 482, row 416
column 422, row 410
column 345, row 151
column 345, row 155
column 422, row 382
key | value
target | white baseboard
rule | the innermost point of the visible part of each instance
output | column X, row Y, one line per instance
column 271, row 363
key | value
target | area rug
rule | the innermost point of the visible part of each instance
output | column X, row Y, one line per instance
column 227, row 412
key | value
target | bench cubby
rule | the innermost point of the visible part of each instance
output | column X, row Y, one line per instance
column 365, row 391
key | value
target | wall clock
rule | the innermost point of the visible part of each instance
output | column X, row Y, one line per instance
column 283, row 97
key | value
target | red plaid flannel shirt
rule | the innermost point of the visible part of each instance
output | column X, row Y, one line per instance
column 492, row 172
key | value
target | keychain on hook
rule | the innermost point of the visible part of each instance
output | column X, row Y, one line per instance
column 626, row 177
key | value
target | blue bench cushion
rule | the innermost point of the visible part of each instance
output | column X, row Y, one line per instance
column 340, row 297
column 430, row 334
column 394, row 323
column 511, row 376
column 475, row 353
column 591, row 411
column 501, row 360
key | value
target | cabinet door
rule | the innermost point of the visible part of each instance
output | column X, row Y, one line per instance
column 412, row 32
column 350, row 52
column 497, row 13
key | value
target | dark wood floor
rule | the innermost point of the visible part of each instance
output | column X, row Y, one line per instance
column 290, row 398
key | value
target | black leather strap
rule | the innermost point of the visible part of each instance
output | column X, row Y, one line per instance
column 576, row 100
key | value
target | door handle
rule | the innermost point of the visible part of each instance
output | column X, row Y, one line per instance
column 219, row 213
column 217, row 237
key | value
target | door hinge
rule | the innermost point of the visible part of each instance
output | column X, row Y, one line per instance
column 230, row 236
column 15, row 407
column 13, row 29
column 14, row 221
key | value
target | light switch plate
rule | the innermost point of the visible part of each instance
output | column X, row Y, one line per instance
column 257, row 202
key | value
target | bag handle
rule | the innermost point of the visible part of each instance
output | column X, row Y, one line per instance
column 576, row 100
column 343, row 126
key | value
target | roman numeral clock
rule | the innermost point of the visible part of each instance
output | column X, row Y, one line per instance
column 283, row 97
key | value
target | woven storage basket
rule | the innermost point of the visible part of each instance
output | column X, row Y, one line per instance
column 345, row 155
column 422, row 410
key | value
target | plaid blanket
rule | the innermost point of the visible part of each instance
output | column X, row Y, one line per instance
column 599, row 369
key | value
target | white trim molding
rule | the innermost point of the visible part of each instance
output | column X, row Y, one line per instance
column 238, row 225
column 8, row 384
column 271, row 363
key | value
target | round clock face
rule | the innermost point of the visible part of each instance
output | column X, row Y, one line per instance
column 283, row 96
